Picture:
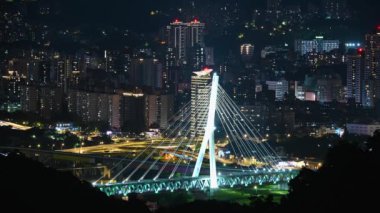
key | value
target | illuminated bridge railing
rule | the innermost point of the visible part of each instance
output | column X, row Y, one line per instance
column 200, row 183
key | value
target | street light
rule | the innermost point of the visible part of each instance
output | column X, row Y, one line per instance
column 80, row 151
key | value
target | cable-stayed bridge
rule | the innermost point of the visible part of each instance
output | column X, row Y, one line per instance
column 188, row 157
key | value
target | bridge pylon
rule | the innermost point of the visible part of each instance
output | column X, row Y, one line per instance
column 208, row 138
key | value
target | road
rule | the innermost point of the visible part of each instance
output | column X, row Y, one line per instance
column 136, row 147
column 14, row 125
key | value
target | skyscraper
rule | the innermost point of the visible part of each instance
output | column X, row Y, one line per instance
column 177, row 36
column 183, row 36
column 371, row 87
column 355, row 68
column 199, row 93
column 196, row 29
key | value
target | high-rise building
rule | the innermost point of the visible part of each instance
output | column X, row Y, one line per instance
column 367, row 129
column 327, row 45
column 209, row 52
column 183, row 36
column 146, row 72
column 355, row 69
column 196, row 32
column 282, row 120
column 96, row 107
column 246, row 52
column 62, row 68
column 29, row 99
column 160, row 109
column 316, row 45
column 329, row 88
column 13, row 80
column 132, row 112
column 50, row 101
column 113, row 61
column 280, row 87
column 45, row 101
column 371, row 86
column 199, row 97
column 198, row 57
column 299, row 91
column 115, row 118
column 258, row 114
column 44, row 73
column 177, row 37
column 76, row 68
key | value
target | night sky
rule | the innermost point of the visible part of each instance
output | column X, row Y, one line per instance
column 135, row 14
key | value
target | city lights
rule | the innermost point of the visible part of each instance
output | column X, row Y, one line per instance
column 170, row 102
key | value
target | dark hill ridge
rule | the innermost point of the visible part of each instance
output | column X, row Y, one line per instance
column 28, row 186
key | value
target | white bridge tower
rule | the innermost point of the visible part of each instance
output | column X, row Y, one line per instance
column 208, row 138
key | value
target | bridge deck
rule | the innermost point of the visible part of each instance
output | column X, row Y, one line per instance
column 201, row 183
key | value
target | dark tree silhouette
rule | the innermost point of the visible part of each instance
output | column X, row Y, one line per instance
column 28, row 186
column 347, row 180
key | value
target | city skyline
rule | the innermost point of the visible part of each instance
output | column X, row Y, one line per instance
column 257, row 103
